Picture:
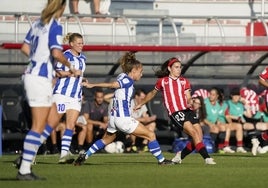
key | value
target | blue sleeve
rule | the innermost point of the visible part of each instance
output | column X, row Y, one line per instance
column 125, row 82
column 55, row 36
column 28, row 37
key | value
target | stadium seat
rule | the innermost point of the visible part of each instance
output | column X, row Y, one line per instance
column 14, row 126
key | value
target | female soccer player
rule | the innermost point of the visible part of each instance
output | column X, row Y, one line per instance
column 120, row 118
column 176, row 93
column 67, row 95
column 41, row 45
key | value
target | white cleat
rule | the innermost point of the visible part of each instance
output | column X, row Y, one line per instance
column 255, row 144
column 260, row 150
column 240, row 150
column 210, row 161
column 227, row 149
column 177, row 158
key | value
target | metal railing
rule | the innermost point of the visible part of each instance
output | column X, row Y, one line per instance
column 128, row 17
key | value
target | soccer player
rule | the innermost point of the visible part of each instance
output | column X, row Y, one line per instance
column 67, row 95
column 176, row 93
column 263, row 77
column 41, row 45
column 120, row 118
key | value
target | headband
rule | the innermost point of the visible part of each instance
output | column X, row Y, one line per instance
column 172, row 61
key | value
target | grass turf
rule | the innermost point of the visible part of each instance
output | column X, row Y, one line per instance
column 142, row 171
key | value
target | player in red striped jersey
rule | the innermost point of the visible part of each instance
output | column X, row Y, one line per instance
column 176, row 92
column 263, row 77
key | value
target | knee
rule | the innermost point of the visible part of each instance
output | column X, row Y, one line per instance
column 151, row 136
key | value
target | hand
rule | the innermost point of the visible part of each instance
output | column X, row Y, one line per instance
column 137, row 107
column 87, row 84
column 153, row 117
column 103, row 126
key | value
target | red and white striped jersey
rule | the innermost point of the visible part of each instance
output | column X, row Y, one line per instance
column 173, row 92
column 201, row 92
column 264, row 74
column 252, row 98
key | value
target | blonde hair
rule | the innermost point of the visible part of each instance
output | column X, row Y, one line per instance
column 129, row 61
column 53, row 7
column 70, row 37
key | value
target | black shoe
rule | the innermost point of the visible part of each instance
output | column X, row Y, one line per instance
column 81, row 159
column 28, row 177
column 17, row 162
column 166, row 162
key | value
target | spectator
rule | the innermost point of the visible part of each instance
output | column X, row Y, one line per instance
column 120, row 118
column 74, row 7
column 97, row 118
column 238, row 111
column 213, row 109
column 60, row 128
column 101, row 6
column 41, row 45
column 142, row 116
column 223, row 119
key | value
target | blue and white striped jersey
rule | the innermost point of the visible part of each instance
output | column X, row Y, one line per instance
column 122, row 96
column 70, row 86
column 42, row 39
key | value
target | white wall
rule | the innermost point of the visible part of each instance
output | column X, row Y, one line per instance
column 210, row 8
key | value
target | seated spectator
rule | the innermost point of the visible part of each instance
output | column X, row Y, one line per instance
column 74, row 6
column 230, row 127
column 60, row 128
column 142, row 116
column 98, row 117
column 238, row 111
column 213, row 109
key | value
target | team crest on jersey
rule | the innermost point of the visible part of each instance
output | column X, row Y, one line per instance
column 183, row 82
column 125, row 80
column 59, row 39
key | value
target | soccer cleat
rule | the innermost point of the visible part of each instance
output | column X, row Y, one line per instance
column 28, row 177
column 210, row 161
column 166, row 162
column 177, row 158
column 227, row 149
column 265, row 148
column 260, row 150
column 67, row 159
column 255, row 144
column 81, row 159
column 145, row 149
column 240, row 150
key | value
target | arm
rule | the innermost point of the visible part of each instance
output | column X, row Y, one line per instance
column 100, row 124
column 263, row 82
column 108, row 97
column 25, row 49
column 58, row 55
column 189, row 98
column 107, row 85
column 64, row 74
column 148, row 97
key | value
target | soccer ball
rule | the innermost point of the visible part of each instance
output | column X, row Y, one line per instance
column 115, row 147
column 110, row 148
column 119, row 147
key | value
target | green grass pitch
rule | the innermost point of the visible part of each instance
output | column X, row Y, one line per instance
column 142, row 171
